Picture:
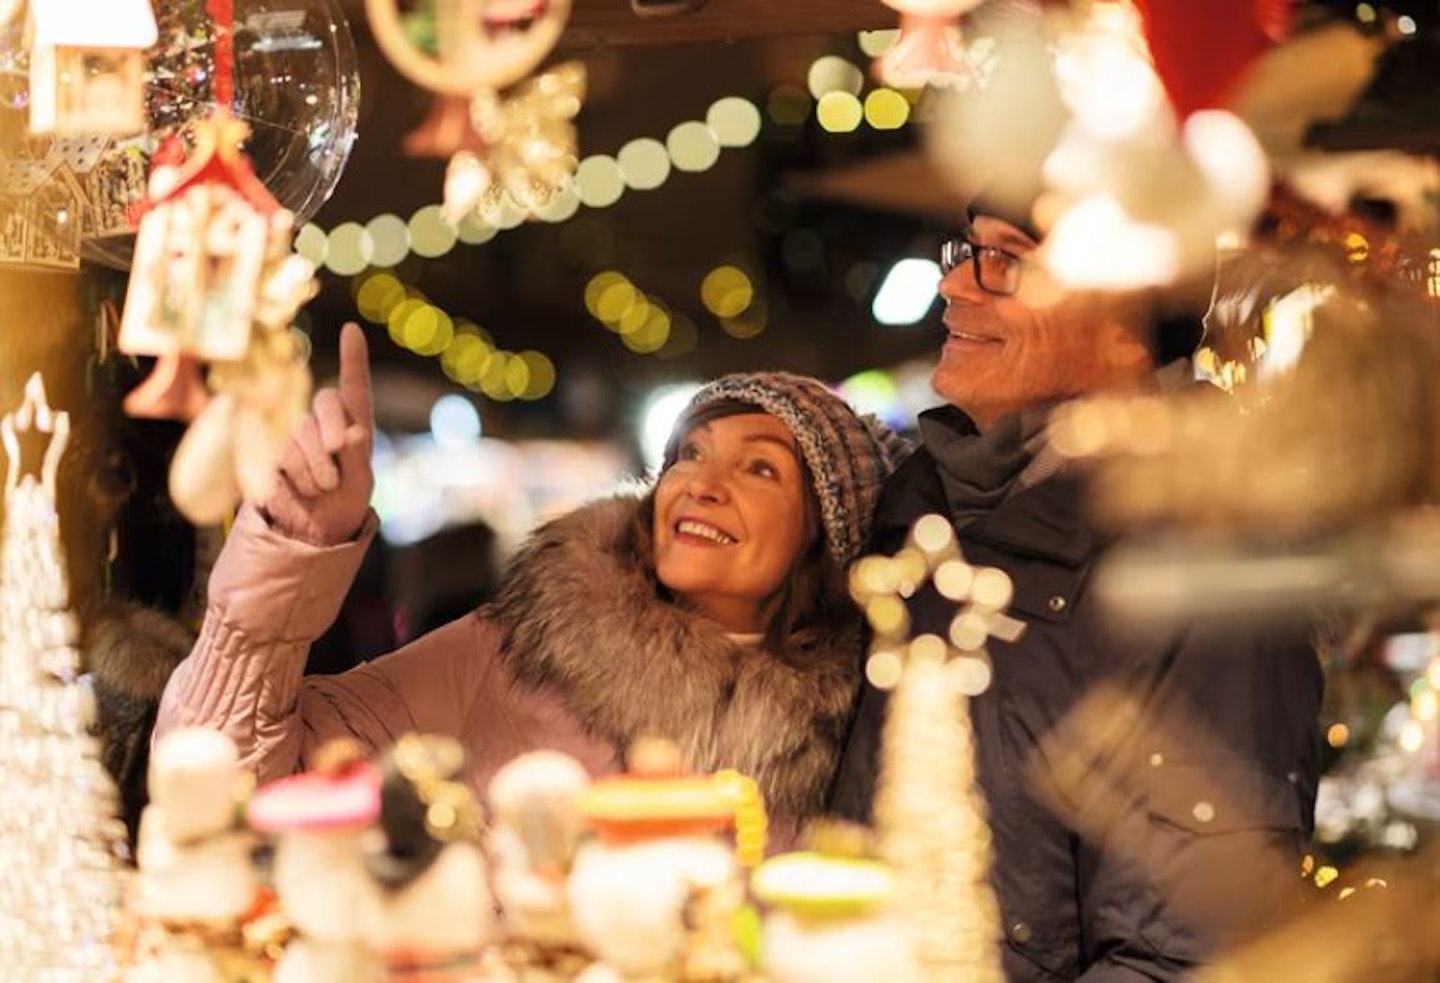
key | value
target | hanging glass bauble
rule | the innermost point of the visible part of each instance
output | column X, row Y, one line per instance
column 296, row 85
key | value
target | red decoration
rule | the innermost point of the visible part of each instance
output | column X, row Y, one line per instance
column 1202, row 50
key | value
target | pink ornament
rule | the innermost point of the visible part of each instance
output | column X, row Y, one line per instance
column 931, row 50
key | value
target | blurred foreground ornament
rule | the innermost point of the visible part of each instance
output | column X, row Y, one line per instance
column 529, row 149
column 296, row 85
column 929, row 809
column 61, row 843
column 930, row 49
column 214, row 280
column 87, row 66
column 523, row 145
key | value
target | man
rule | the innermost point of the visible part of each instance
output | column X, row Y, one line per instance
column 1134, row 840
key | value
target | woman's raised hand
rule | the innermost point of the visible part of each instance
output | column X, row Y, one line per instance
column 323, row 492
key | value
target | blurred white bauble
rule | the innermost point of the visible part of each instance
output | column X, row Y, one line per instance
column 296, row 84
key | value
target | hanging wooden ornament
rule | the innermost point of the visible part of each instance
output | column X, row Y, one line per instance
column 930, row 50
column 523, row 145
column 87, row 65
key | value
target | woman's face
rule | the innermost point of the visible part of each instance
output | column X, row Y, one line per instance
column 731, row 518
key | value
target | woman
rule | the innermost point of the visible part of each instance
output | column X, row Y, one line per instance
column 710, row 610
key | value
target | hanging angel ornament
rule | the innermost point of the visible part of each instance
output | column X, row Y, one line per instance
column 214, row 281
column 931, row 49
column 522, row 144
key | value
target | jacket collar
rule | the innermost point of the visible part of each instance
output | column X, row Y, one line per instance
column 1044, row 521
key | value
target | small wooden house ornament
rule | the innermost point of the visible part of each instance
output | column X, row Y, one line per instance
column 87, row 65
column 208, row 232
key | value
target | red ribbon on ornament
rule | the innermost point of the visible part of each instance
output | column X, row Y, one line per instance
column 222, row 13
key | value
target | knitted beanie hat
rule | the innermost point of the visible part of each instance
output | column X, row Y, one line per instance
column 848, row 456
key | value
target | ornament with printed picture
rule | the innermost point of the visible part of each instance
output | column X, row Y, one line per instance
column 523, row 144
column 87, row 65
column 320, row 820
column 656, row 894
column 196, row 879
column 215, row 282
column 435, row 911
column 930, row 49
column 536, row 829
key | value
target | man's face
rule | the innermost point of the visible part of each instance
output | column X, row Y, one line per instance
column 1002, row 354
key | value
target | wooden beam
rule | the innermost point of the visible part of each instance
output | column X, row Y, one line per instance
column 609, row 23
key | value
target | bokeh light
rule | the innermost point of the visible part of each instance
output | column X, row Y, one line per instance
column 693, row 147
column 734, row 121
column 348, row 249
column 563, row 204
column 389, row 240
column 430, row 235
column 876, row 43
column 749, row 324
column 399, row 314
column 644, row 164
column 474, row 230
column 886, row 109
column 598, row 181
column 312, row 243
column 540, row 375
column 726, row 291
column 454, row 421
column 839, row 112
column 832, row 73
column 377, row 297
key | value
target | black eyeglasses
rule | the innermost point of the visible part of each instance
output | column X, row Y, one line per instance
column 997, row 271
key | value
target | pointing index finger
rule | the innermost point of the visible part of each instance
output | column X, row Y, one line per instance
column 355, row 376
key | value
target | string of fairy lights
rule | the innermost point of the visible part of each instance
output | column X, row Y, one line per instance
column 370, row 253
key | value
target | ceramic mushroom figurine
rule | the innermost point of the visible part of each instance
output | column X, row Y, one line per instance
column 930, row 49
column 319, row 819
column 654, row 894
column 830, row 919
column 435, row 911
column 536, row 829
column 195, row 878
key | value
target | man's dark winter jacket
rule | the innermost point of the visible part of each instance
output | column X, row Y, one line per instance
column 1193, row 784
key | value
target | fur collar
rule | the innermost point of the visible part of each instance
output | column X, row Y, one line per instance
column 132, row 649
column 580, row 617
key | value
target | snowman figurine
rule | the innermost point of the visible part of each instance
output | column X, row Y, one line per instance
column 319, row 819
column 536, row 828
column 435, row 911
column 830, row 918
column 655, row 893
column 195, row 878
column 930, row 49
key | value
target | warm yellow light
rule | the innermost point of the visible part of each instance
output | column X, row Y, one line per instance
column 595, row 289
column 348, row 249
column 1412, row 736
column 541, row 375
column 635, row 316
column 644, row 163
column 378, row 296
column 886, row 109
column 615, row 300
column 1337, row 736
column 598, row 181
column 884, row 669
column 494, row 377
column 831, row 73
column 726, row 291
column 839, row 112
column 312, row 243
column 517, row 376
column 430, row 235
column 652, row 335
column 734, row 121
column 389, row 238
column 395, row 323
column 465, row 356
column 693, row 147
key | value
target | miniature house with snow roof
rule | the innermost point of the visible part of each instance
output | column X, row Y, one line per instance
column 87, row 65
